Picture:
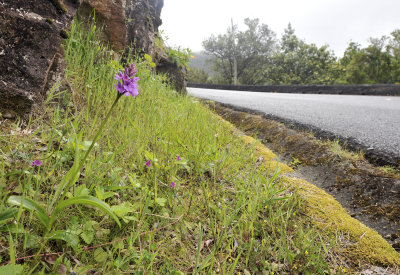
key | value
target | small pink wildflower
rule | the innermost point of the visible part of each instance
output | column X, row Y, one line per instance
column 148, row 163
column 172, row 184
column 178, row 158
column 36, row 162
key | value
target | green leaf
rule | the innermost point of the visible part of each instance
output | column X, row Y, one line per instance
column 85, row 200
column 86, row 144
column 7, row 214
column 101, row 195
column 100, row 255
column 122, row 209
column 100, row 232
column 133, row 181
column 32, row 206
column 70, row 177
column 161, row 201
column 32, row 241
column 148, row 58
column 66, row 236
column 13, row 228
column 11, row 269
column 81, row 191
column 88, row 232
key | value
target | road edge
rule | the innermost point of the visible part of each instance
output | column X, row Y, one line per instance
column 327, row 213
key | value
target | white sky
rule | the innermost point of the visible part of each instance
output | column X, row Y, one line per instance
column 334, row 22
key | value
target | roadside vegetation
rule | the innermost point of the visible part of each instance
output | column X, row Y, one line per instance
column 164, row 187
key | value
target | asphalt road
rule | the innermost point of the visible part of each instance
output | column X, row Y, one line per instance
column 371, row 121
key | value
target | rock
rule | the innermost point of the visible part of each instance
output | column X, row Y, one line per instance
column 109, row 14
column 30, row 52
column 135, row 23
column 31, row 33
column 143, row 21
column 175, row 74
column 126, row 22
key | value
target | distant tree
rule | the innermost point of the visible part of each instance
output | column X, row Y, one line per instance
column 251, row 48
column 297, row 62
column 393, row 49
column 352, row 50
column 197, row 76
column 261, row 59
column 379, row 62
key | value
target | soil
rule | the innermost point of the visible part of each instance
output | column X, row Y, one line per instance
column 368, row 193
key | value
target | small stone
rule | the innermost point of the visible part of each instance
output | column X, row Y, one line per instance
column 8, row 115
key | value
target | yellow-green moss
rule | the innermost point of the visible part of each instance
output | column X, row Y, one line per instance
column 328, row 214
column 267, row 155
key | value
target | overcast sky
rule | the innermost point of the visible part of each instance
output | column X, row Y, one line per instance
column 334, row 22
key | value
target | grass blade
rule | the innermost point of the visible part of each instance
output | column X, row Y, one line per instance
column 85, row 200
column 32, row 206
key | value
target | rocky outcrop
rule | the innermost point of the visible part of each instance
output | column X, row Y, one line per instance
column 143, row 21
column 31, row 32
column 176, row 74
column 110, row 15
column 134, row 24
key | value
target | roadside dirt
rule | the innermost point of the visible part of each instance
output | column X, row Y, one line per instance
column 368, row 194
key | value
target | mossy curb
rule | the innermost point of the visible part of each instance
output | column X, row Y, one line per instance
column 365, row 244
column 328, row 215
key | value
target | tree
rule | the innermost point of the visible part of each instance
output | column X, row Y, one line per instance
column 297, row 62
column 394, row 50
column 197, row 76
column 251, row 48
column 379, row 62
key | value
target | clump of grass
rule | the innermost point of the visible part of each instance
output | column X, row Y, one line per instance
column 342, row 152
column 190, row 196
column 391, row 170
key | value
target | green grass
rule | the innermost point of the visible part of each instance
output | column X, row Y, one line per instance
column 226, row 214
column 340, row 151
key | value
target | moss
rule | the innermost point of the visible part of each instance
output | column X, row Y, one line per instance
column 49, row 20
column 59, row 4
column 267, row 155
column 327, row 214
column 64, row 33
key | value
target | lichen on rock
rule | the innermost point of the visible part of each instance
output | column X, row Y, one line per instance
column 29, row 47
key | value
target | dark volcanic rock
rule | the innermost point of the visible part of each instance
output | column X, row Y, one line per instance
column 31, row 33
column 143, row 20
column 175, row 73
column 30, row 52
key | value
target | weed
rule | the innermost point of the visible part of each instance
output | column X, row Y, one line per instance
column 342, row 153
column 295, row 163
column 392, row 170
